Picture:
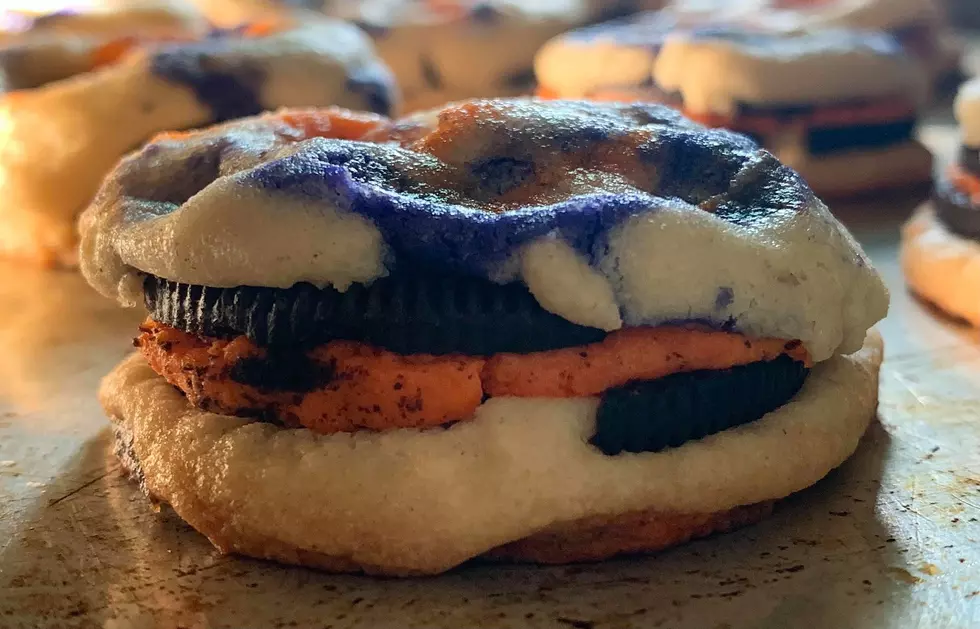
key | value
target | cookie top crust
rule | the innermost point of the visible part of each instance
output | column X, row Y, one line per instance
column 717, row 68
column 611, row 214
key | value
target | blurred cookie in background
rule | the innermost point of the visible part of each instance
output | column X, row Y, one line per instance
column 838, row 106
column 941, row 243
column 614, row 60
column 42, row 49
column 446, row 51
column 62, row 132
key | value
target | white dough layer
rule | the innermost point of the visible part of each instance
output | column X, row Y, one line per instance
column 967, row 109
column 514, row 469
column 775, row 280
column 563, row 283
column 717, row 74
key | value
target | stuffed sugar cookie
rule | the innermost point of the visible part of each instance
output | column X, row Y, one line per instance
column 838, row 106
column 446, row 51
column 60, row 139
column 407, row 315
column 941, row 243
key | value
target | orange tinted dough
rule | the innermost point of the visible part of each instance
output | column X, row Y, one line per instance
column 624, row 356
column 354, row 386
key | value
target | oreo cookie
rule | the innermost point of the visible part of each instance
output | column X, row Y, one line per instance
column 654, row 415
column 407, row 313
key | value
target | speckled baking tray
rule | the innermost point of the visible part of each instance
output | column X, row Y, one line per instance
column 890, row 540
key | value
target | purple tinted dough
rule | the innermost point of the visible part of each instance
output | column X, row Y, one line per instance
column 724, row 298
column 430, row 231
column 435, row 212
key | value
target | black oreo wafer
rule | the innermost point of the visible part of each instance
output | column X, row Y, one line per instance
column 955, row 209
column 407, row 314
column 828, row 140
column 653, row 415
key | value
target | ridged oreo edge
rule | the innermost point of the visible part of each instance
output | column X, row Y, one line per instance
column 666, row 413
column 407, row 314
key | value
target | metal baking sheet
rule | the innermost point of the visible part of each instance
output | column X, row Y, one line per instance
column 890, row 540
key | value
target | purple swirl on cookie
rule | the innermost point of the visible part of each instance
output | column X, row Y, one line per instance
column 405, row 194
column 229, row 88
column 466, row 192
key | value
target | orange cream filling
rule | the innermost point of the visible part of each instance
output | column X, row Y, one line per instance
column 363, row 387
column 871, row 112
